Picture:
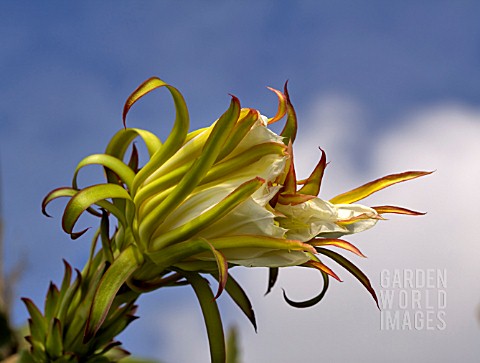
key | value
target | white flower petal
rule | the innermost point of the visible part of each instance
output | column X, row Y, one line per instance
column 315, row 217
column 351, row 211
column 247, row 218
column 258, row 134
column 306, row 220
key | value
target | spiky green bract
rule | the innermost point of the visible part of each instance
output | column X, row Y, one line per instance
column 57, row 334
column 106, row 292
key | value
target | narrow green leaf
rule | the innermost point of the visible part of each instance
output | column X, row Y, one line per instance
column 365, row 190
column 125, row 264
column 397, row 210
column 211, row 316
column 240, row 298
column 316, row 263
column 354, row 270
column 79, row 307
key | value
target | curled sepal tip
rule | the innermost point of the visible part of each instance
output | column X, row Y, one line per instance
column 282, row 106
column 58, row 193
column 123, row 172
column 76, row 235
column 313, row 301
column 85, row 198
column 177, row 135
column 222, row 266
column 146, row 87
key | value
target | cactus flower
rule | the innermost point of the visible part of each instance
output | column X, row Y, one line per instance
column 210, row 199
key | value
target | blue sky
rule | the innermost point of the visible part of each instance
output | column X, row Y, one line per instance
column 363, row 76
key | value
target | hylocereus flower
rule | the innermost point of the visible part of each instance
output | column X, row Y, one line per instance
column 320, row 223
column 211, row 199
